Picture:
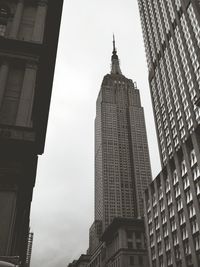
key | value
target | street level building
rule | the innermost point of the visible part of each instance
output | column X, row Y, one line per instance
column 28, row 40
column 171, row 31
column 125, row 243
column 95, row 233
column 81, row 262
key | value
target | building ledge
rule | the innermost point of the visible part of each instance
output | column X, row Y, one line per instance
column 138, row 224
column 9, row 261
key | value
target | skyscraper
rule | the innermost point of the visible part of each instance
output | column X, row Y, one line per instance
column 122, row 166
column 171, row 31
column 122, row 173
column 28, row 40
column 172, row 42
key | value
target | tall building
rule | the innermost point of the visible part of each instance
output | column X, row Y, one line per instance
column 28, row 40
column 172, row 42
column 171, row 31
column 122, row 165
column 122, row 173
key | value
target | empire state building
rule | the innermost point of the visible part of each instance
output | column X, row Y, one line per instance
column 122, row 165
column 122, row 173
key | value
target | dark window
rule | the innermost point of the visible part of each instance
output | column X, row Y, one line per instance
column 4, row 11
column 4, row 15
column 138, row 245
column 131, row 260
column 2, row 29
column 129, row 234
column 138, row 235
column 130, row 245
column 140, row 259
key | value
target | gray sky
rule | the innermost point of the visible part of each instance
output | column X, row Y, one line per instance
column 63, row 200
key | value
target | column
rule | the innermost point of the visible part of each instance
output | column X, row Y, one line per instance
column 27, row 96
column 3, row 79
column 7, row 220
column 38, row 30
column 17, row 19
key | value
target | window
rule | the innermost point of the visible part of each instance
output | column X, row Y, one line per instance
column 2, row 29
column 183, row 168
column 177, row 253
column 131, row 260
column 138, row 245
column 130, row 244
column 4, row 15
column 193, row 158
column 197, row 242
column 138, row 235
column 140, row 259
column 129, row 234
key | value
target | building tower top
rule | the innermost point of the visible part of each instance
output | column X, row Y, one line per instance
column 115, row 66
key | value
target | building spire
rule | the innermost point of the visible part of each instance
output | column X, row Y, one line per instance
column 115, row 66
column 114, row 48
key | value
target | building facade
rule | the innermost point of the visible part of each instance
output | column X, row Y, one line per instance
column 172, row 210
column 170, row 30
column 28, row 38
column 83, row 261
column 123, row 243
column 95, row 234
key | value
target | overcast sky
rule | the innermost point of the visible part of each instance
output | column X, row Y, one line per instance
column 63, row 200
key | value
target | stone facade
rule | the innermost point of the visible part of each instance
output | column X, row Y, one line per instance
column 25, row 91
column 172, row 42
column 123, row 243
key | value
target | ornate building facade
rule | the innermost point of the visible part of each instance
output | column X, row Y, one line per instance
column 28, row 38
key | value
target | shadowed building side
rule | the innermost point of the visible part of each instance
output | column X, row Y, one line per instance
column 28, row 40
